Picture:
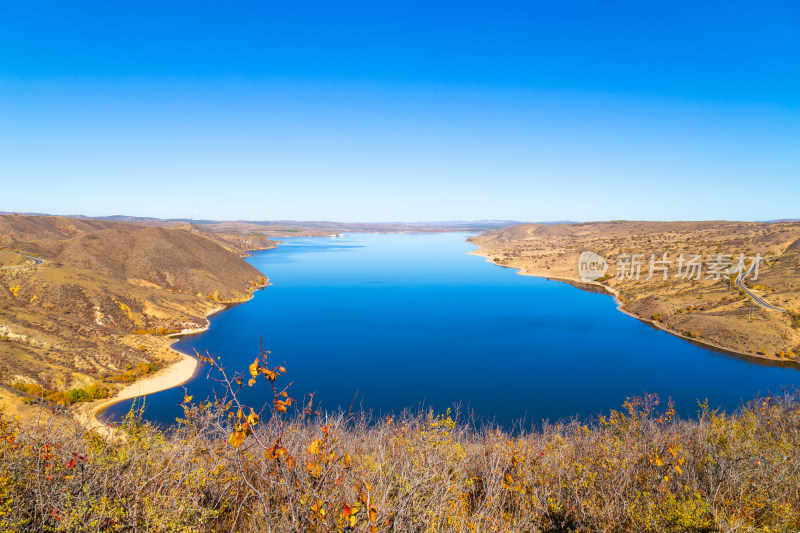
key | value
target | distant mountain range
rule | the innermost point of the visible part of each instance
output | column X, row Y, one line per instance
column 319, row 225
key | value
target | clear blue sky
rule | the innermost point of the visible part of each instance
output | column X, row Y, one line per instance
column 401, row 111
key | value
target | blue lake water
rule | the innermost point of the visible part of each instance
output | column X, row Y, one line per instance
column 410, row 320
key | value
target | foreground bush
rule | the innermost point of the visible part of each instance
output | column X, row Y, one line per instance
column 224, row 469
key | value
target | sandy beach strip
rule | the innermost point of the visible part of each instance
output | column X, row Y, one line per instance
column 174, row 375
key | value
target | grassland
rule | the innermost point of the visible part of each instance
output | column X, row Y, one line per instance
column 11, row 259
column 707, row 308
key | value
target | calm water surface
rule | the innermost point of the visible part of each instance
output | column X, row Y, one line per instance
column 411, row 320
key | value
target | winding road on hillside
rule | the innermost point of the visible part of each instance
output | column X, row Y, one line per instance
column 36, row 262
column 757, row 299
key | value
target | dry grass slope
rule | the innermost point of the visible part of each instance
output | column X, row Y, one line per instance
column 106, row 294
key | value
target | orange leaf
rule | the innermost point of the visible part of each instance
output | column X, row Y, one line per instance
column 187, row 399
column 373, row 513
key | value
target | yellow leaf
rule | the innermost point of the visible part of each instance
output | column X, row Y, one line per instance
column 659, row 462
column 346, row 460
column 313, row 448
column 187, row 399
column 253, row 368
column 678, row 469
column 236, row 439
column 252, row 418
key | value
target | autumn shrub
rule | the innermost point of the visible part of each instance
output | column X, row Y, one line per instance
column 97, row 391
column 139, row 370
column 228, row 467
column 155, row 331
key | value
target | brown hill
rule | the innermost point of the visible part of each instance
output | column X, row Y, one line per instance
column 170, row 258
column 106, row 294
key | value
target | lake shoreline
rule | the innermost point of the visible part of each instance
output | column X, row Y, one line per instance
column 173, row 375
column 610, row 291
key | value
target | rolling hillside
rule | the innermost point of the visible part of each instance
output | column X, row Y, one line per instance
column 107, row 293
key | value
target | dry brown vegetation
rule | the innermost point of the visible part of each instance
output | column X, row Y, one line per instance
column 95, row 307
column 226, row 468
column 709, row 310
